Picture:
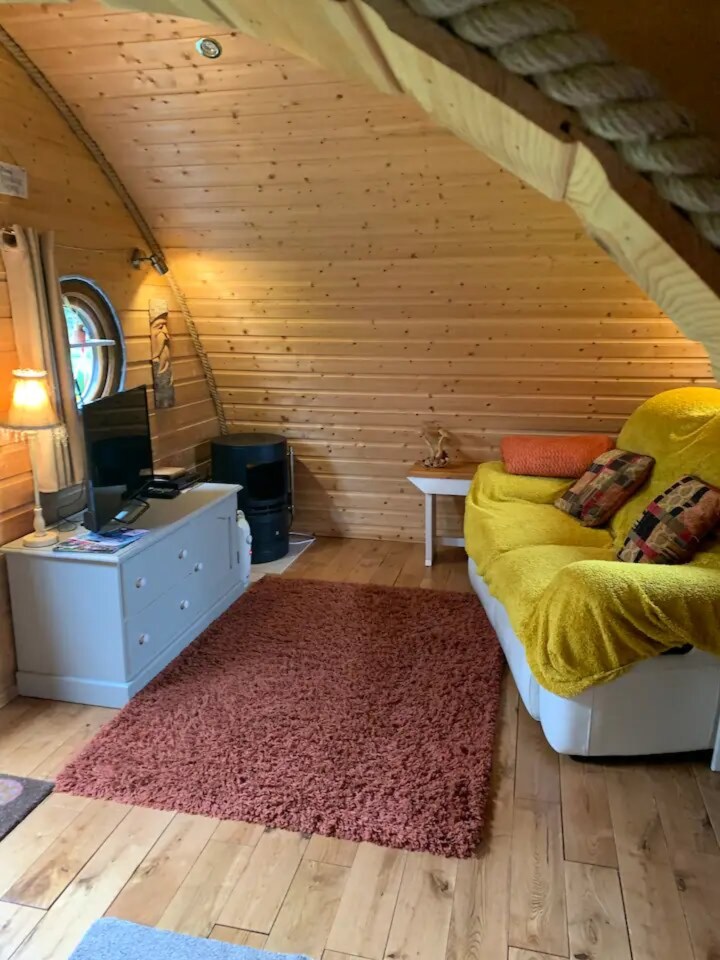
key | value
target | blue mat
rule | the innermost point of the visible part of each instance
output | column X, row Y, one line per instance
column 110, row 939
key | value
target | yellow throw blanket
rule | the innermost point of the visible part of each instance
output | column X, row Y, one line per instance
column 583, row 616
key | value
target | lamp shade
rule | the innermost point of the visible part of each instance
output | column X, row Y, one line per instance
column 31, row 407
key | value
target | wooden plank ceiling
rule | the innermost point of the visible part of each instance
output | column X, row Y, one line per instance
column 355, row 271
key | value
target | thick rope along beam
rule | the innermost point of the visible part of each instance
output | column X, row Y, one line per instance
column 39, row 78
column 539, row 39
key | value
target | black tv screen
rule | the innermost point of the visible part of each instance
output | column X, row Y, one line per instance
column 118, row 454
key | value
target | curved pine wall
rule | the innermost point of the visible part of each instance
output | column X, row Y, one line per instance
column 355, row 271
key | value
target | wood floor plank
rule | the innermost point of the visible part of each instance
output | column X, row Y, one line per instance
column 458, row 578
column 709, row 783
column 241, row 938
column 423, row 912
column 199, row 900
column 315, row 559
column 257, row 897
column 413, row 570
column 587, row 828
column 435, row 577
column 32, row 837
column 537, row 776
column 685, row 819
column 538, row 918
column 60, row 863
column 393, row 562
column 307, row 914
column 596, row 916
column 93, row 719
column 481, row 905
column 319, row 561
column 16, row 923
column 331, row 850
column 656, row 922
column 501, row 806
column 95, row 887
column 331, row 955
column 346, row 559
column 239, row 831
column 697, row 876
column 34, row 737
column 368, row 563
column 515, row 954
column 17, row 712
column 147, row 894
column 363, row 919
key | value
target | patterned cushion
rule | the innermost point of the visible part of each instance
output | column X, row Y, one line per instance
column 672, row 526
column 537, row 456
column 609, row 482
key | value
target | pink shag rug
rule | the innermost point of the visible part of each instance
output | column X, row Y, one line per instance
column 354, row 711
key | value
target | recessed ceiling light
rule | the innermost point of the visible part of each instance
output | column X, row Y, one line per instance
column 208, row 47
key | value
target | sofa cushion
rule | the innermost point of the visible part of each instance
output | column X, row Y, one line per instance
column 671, row 528
column 597, row 618
column 541, row 456
column 681, row 430
column 607, row 484
column 518, row 579
column 500, row 518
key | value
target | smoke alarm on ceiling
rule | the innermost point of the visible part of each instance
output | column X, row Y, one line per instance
column 208, row 47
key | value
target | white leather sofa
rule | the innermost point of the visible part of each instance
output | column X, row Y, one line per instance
column 670, row 704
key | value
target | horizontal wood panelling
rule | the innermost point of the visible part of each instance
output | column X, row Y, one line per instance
column 70, row 195
column 572, row 388
column 355, row 271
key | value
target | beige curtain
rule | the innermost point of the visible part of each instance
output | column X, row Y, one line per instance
column 42, row 344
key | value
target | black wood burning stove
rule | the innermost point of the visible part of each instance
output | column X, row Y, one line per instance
column 262, row 464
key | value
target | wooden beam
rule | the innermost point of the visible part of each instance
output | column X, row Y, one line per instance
column 473, row 96
column 654, row 263
column 508, row 119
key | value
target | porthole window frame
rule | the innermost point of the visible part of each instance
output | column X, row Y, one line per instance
column 98, row 314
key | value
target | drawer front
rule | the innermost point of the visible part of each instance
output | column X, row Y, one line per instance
column 154, row 571
column 151, row 630
column 212, row 546
column 209, row 563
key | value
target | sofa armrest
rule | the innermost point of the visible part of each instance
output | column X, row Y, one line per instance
column 599, row 617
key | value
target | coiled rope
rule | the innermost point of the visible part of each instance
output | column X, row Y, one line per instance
column 539, row 40
column 39, row 78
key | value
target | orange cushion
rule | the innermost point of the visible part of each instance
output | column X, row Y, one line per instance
column 537, row 456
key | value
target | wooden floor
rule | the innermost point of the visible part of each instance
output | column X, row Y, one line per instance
column 585, row 861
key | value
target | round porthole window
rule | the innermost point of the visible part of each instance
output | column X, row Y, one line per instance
column 97, row 349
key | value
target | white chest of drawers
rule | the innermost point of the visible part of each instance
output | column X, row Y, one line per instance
column 95, row 628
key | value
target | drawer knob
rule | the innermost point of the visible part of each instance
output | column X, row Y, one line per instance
column 182, row 554
column 143, row 639
column 198, row 567
column 184, row 604
column 140, row 582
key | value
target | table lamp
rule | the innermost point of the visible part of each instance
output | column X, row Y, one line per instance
column 31, row 411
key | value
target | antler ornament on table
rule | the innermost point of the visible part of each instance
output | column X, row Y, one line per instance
column 436, row 439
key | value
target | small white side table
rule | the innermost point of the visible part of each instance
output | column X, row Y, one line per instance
column 451, row 481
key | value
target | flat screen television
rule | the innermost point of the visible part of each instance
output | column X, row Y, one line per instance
column 118, row 455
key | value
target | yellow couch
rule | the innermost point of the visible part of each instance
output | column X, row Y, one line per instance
column 583, row 617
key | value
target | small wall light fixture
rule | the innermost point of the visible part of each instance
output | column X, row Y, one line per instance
column 155, row 260
column 209, row 47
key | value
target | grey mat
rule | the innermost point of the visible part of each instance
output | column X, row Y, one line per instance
column 18, row 796
column 110, row 939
